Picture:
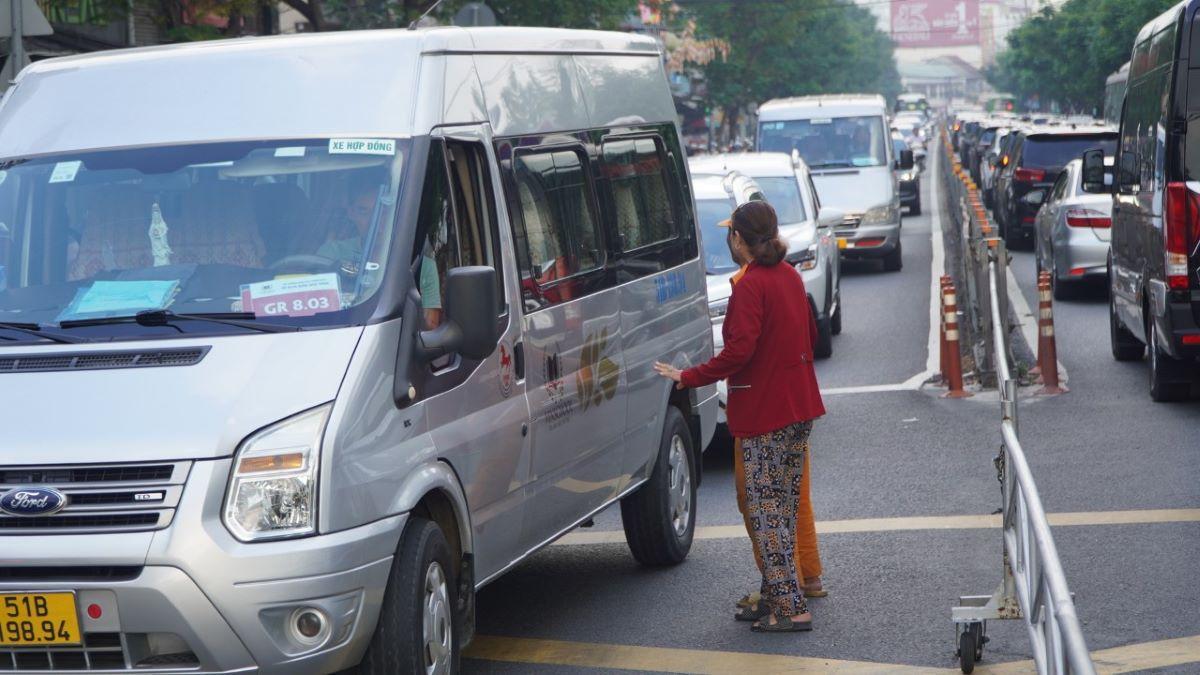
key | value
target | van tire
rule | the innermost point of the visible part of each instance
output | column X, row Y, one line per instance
column 1125, row 346
column 835, row 323
column 823, row 348
column 915, row 209
column 894, row 261
column 398, row 645
column 1164, row 383
column 652, row 515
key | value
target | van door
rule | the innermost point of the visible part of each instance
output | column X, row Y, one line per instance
column 572, row 332
column 477, row 410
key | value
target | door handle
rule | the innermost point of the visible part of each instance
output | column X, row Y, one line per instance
column 519, row 357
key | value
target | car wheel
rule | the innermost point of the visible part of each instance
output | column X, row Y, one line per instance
column 660, row 517
column 835, row 323
column 1060, row 288
column 823, row 348
column 418, row 628
column 1164, row 385
column 893, row 262
column 1125, row 346
column 915, row 209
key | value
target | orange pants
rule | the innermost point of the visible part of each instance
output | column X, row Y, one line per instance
column 808, row 558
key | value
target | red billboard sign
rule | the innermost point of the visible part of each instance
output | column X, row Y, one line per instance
column 935, row 23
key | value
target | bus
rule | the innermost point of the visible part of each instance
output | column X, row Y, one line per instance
column 1114, row 94
column 912, row 101
column 998, row 102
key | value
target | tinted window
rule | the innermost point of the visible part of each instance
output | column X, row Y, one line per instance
column 830, row 141
column 561, row 239
column 717, row 259
column 783, row 193
column 638, row 191
column 987, row 137
column 1051, row 152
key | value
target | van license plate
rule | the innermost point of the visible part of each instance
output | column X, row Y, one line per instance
column 39, row 619
column 842, row 242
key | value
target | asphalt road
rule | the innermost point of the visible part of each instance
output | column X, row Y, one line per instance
column 896, row 454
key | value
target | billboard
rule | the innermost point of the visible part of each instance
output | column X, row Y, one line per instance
column 935, row 23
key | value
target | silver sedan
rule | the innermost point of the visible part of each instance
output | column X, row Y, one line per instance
column 1073, row 230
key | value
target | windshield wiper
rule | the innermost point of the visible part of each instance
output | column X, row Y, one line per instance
column 164, row 317
column 37, row 331
column 830, row 165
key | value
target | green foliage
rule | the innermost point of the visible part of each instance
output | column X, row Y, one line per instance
column 352, row 14
column 1065, row 55
column 794, row 48
column 82, row 12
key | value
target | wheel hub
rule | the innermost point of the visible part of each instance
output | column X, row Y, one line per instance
column 436, row 625
column 680, row 486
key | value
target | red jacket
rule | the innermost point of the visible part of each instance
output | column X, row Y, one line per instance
column 768, row 356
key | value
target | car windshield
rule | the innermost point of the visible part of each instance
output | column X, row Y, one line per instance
column 1057, row 151
column 783, row 193
column 710, row 212
column 289, row 232
column 829, row 142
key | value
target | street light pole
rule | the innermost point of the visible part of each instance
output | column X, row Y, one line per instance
column 16, row 49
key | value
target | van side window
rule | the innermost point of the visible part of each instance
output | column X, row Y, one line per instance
column 635, row 173
column 556, row 207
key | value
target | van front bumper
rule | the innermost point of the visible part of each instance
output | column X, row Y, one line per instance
column 874, row 241
column 226, row 603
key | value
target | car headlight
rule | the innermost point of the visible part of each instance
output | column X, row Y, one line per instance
column 273, row 490
column 908, row 176
column 880, row 215
column 717, row 308
column 807, row 259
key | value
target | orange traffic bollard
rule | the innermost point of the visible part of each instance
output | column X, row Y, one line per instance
column 954, row 374
column 1047, row 351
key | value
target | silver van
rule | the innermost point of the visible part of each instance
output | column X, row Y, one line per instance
column 846, row 142
column 305, row 339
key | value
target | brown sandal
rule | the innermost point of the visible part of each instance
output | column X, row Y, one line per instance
column 753, row 612
column 781, row 625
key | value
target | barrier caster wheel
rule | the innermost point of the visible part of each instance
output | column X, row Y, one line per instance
column 970, row 647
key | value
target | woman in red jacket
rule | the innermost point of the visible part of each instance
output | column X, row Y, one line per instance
column 773, row 398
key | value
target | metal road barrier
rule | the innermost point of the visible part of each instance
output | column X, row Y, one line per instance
column 1033, row 588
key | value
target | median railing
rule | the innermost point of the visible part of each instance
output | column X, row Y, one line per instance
column 1033, row 588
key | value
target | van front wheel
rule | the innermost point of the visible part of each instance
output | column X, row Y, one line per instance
column 660, row 517
column 417, row 630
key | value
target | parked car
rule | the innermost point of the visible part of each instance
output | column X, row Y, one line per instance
column 787, row 185
column 1154, row 277
column 909, row 180
column 317, row 384
column 1035, row 159
column 846, row 143
column 1073, row 229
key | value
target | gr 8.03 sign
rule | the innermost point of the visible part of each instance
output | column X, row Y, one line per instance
column 935, row 23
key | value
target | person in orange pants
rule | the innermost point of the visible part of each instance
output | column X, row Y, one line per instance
column 807, row 557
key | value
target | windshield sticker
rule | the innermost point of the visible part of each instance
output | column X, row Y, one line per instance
column 362, row 146
column 294, row 151
column 293, row 296
column 64, row 172
column 821, row 120
column 104, row 299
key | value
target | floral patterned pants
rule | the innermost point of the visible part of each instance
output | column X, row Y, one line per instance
column 774, row 467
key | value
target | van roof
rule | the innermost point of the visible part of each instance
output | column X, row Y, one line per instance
column 837, row 105
column 1161, row 21
column 358, row 84
column 755, row 164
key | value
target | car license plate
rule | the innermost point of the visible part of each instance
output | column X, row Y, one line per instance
column 842, row 242
column 38, row 619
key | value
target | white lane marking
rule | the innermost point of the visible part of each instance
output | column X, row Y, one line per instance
column 870, row 389
column 937, row 267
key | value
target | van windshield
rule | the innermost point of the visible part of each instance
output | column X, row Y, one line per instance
column 829, row 142
column 710, row 212
column 783, row 194
column 292, row 233
column 1056, row 151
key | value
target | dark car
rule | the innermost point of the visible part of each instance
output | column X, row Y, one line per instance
column 1036, row 158
column 909, row 180
column 975, row 154
column 1154, row 259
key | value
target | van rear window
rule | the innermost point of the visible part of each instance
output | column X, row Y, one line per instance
column 1057, row 151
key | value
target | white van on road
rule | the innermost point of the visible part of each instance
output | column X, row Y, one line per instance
column 304, row 339
column 846, row 142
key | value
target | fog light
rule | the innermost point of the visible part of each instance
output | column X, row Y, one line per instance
column 309, row 626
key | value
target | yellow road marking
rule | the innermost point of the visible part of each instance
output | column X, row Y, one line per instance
column 1136, row 517
column 1127, row 659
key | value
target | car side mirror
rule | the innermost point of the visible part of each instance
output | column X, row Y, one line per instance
column 470, row 299
column 906, row 160
column 830, row 217
column 1096, row 176
column 992, row 161
column 1034, row 197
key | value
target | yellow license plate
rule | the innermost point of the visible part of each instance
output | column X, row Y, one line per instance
column 842, row 242
column 38, row 619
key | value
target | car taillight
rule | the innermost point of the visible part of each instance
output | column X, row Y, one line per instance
column 1029, row 175
column 1087, row 218
column 1004, row 160
column 1181, row 220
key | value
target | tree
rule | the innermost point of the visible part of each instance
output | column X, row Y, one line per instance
column 1065, row 54
column 338, row 14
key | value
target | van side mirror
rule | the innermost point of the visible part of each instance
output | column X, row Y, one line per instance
column 1096, row 176
column 830, row 217
column 906, row 160
column 470, row 299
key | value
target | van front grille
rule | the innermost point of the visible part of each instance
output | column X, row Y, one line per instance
column 99, row 651
column 154, row 358
column 99, row 498
column 10, row 574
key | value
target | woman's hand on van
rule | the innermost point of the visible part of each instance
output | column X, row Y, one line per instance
column 670, row 372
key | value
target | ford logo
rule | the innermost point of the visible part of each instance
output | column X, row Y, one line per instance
column 32, row 501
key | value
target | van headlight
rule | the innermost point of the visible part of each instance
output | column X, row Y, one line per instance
column 880, row 215
column 273, row 490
